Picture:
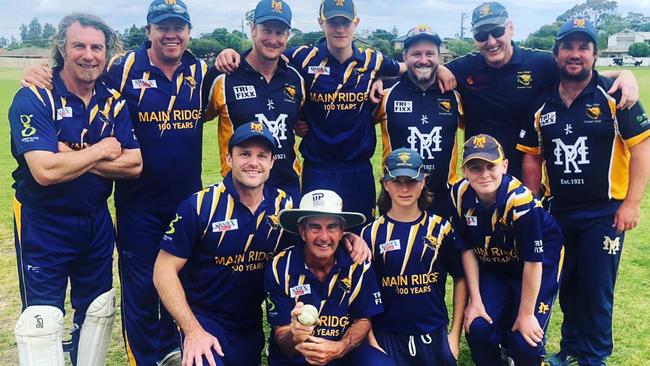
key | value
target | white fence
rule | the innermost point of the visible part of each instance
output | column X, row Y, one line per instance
column 20, row 63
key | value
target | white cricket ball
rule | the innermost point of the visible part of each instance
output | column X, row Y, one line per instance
column 308, row 316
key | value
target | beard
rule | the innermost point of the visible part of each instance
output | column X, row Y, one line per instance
column 423, row 78
column 582, row 75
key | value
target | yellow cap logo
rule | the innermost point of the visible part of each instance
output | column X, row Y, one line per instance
column 579, row 22
column 404, row 157
column 257, row 127
column 479, row 142
column 170, row 2
column 276, row 6
column 485, row 10
column 340, row 2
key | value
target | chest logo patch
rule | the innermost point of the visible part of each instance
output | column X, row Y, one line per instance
column 144, row 84
column 300, row 290
column 593, row 113
column 444, row 105
column 403, row 106
column 390, row 246
column 524, row 80
column 244, row 92
column 471, row 220
column 318, row 70
column 65, row 112
column 547, row 119
column 226, row 225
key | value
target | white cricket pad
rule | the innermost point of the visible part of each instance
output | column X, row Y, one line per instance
column 96, row 330
column 39, row 333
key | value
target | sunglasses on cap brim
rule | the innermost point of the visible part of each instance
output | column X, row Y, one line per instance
column 494, row 32
column 164, row 8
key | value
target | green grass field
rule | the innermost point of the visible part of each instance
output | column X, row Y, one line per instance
column 631, row 313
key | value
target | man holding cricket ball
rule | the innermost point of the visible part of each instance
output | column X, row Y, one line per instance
column 319, row 301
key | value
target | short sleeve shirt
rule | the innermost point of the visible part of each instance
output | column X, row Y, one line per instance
column 412, row 260
column 503, row 236
column 41, row 118
column 496, row 101
column 586, row 146
column 338, row 110
column 167, row 117
column 227, row 248
column 427, row 122
column 349, row 292
column 246, row 96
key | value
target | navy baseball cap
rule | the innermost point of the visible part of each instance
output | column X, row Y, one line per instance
column 403, row 162
column 421, row 32
column 161, row 10
column 267, row 10
column 337, row 8
column 483, row 147
column 252, row 130
column 578, row 24
column 490, row 13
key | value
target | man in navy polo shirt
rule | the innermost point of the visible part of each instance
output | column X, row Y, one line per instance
column 341, row 138
column 415, row 114
column 161, row 83
column 264, row 88
column 319, row 272
column 209, row 272
column 598, row 164
column 69, row 144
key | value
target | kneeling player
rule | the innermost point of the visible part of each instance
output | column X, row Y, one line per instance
column 511, row 256
column 319, row 272
column 413, row 252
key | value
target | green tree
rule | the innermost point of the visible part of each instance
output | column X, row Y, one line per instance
column 543, row 38
column 311, row 38
column 460, row 47
column 297, row 38
column 4, row 43
column 644, row 27
column 32, row 33
column 635, row 20
column 205, row 48
column 133, row 37
column 381, row 34
column 48, row 32
column 592, row 10
column 383, row 46
column 639, row 49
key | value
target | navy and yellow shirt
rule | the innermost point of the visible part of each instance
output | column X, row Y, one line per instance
column 514, row 230
column 496, row 101
column 349, row 292
column 427, row 122
column 41, row 118
column 586, row 146
column 338, row 110
column 245, row 96
column 412, row 260
column 227, row 248
column 167, row 119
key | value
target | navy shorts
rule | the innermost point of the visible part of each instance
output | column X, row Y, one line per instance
column 423, row 349
column 54, row 247
column 240, row 348
column 355, row 183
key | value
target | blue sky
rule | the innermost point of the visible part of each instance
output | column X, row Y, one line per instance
column 443, row 15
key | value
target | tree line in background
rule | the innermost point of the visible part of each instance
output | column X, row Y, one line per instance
column 603, row 13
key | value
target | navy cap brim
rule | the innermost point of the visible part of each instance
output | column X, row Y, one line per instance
column 495, row 21
column 258, row 137
column 422, row 37
column 403, row 172
column 576, row 30
column 483, row 156
column 267, row 18
column 338, row 13
column 162, row 17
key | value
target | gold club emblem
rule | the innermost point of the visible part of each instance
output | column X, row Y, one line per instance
column 579, row 22
column 170, row 2
column 404, row 157
column 485, row 10
column 340, row 2
column 479, row 142
column 276, row 6
column 524, row 79
column 593, row 112
column 257, row 127
column 445, row 105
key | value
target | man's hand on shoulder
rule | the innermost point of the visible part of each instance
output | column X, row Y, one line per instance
column 227, row 61
column 39, row 76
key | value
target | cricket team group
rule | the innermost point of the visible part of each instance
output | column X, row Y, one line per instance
column 516, row 172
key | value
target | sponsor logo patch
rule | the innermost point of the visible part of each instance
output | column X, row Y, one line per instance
column 403, row 106
column 144, row 84
column 65, row 112
column 244, row 92
column 390, row 246
column 300, row 290
column 226, row 225
column 318, row 70
column 547, row 119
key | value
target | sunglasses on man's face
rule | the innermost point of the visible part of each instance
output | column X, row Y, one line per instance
column 494, row 32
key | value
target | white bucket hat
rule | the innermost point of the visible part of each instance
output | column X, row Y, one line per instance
column 320, row 202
